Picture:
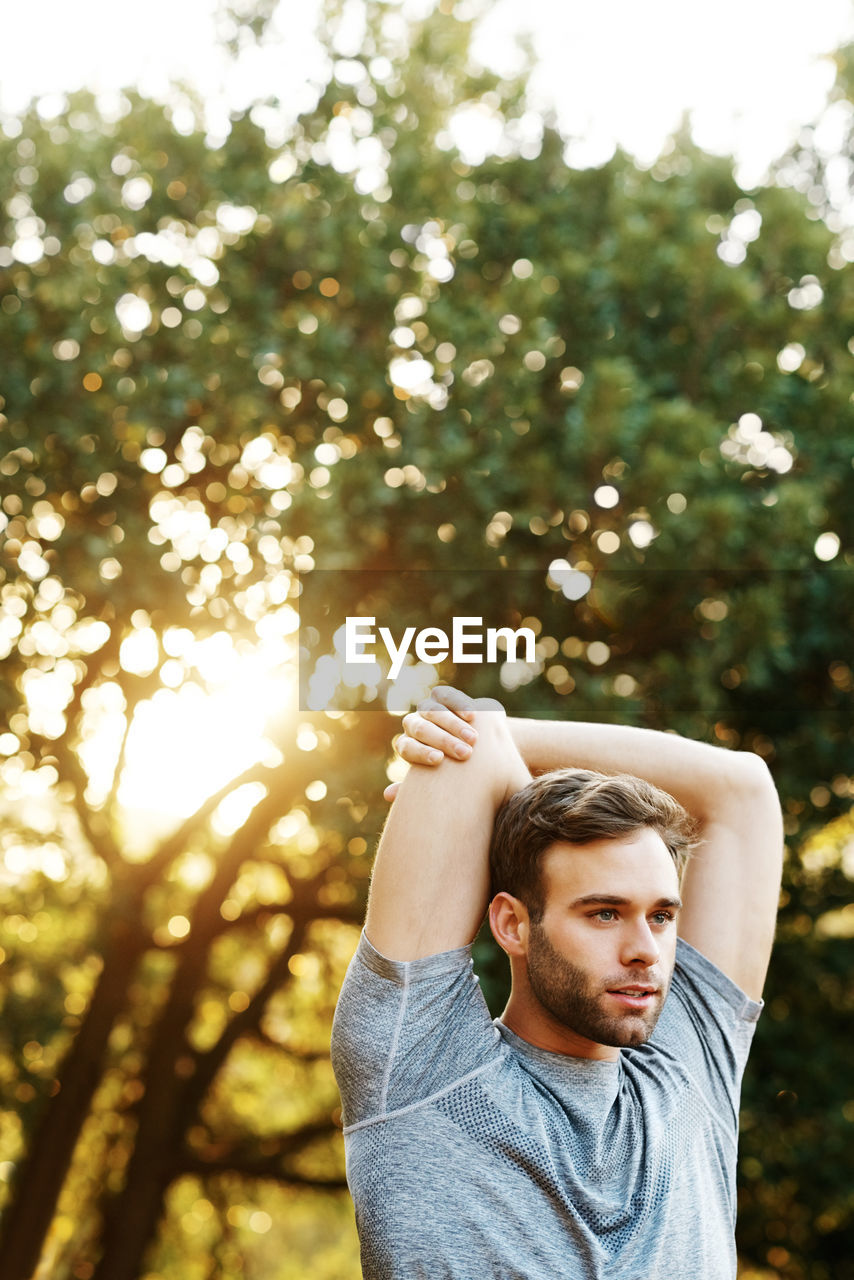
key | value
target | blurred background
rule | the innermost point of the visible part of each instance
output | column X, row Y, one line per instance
column 549, row 304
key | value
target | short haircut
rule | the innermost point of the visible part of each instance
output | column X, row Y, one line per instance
column 577, row 806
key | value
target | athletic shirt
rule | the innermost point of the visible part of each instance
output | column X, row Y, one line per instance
column 471, row 1154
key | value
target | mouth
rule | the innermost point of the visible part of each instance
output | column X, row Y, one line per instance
column 634, row 997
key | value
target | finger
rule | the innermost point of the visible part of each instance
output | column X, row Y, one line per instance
column 455, row 700
column 433, row 735
column 444, row 719
column 415, row 752
column 391, row 791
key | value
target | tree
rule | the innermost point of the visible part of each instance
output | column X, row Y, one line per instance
column 232, row 366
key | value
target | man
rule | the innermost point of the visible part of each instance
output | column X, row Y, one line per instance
column 591, row 1131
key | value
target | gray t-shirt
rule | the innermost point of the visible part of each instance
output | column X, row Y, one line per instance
column 472, row 1155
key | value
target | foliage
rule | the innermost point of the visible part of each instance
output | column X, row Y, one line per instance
column 211, row 386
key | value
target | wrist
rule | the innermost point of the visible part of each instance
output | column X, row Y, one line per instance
column 508, row 771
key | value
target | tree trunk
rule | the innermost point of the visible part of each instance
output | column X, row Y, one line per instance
column 172, row 1095
column 132, row 1217
column 132, row 1220
column 41, row 1174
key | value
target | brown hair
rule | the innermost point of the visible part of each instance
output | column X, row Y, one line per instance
column 577, row 806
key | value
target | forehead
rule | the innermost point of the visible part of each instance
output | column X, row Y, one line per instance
column 638, row 866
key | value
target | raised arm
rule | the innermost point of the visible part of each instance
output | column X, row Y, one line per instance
column 431, row 875
column 731, row 885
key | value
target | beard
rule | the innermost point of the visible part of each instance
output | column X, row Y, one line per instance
column 576, row 1001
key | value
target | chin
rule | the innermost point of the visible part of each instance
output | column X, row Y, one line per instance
column 626, row 1034
column 585, row 1019
column 632, row 1037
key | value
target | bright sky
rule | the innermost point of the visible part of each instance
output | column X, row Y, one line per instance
column 616, row 70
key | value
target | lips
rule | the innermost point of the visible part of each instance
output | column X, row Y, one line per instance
column 634, row 997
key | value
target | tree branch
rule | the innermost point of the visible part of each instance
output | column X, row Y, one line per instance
column 120, row 762
column 210, row 1061
column 94, row 828
column 301, row 1055
column 261, row 1170
column 176, row 843
column 346, row 913
column 243, row 1160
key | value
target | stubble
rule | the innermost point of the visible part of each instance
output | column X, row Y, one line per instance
column 566, row 991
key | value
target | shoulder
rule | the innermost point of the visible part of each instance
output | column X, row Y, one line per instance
column 405, row 1030
column 706, row 1027
column 715, row 995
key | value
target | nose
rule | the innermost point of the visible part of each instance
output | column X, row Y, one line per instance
column 640, row 946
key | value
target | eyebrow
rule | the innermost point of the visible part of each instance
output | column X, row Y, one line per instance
column 613, row 900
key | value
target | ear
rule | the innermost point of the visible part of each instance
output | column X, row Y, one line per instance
column 508, row 920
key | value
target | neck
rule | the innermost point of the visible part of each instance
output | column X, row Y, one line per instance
column 528, row 1019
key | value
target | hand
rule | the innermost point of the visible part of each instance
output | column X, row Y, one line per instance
column 437, row 729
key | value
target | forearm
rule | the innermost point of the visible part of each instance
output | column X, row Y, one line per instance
column 431, row 876
column 704, row 779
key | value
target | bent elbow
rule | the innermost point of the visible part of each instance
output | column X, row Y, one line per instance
column 753, row 774
column 754, row 787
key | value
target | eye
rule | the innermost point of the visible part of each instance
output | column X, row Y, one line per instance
column 663, row 917
column 605, row 914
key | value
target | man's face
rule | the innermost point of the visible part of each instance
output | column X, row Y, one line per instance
column 601, row 959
